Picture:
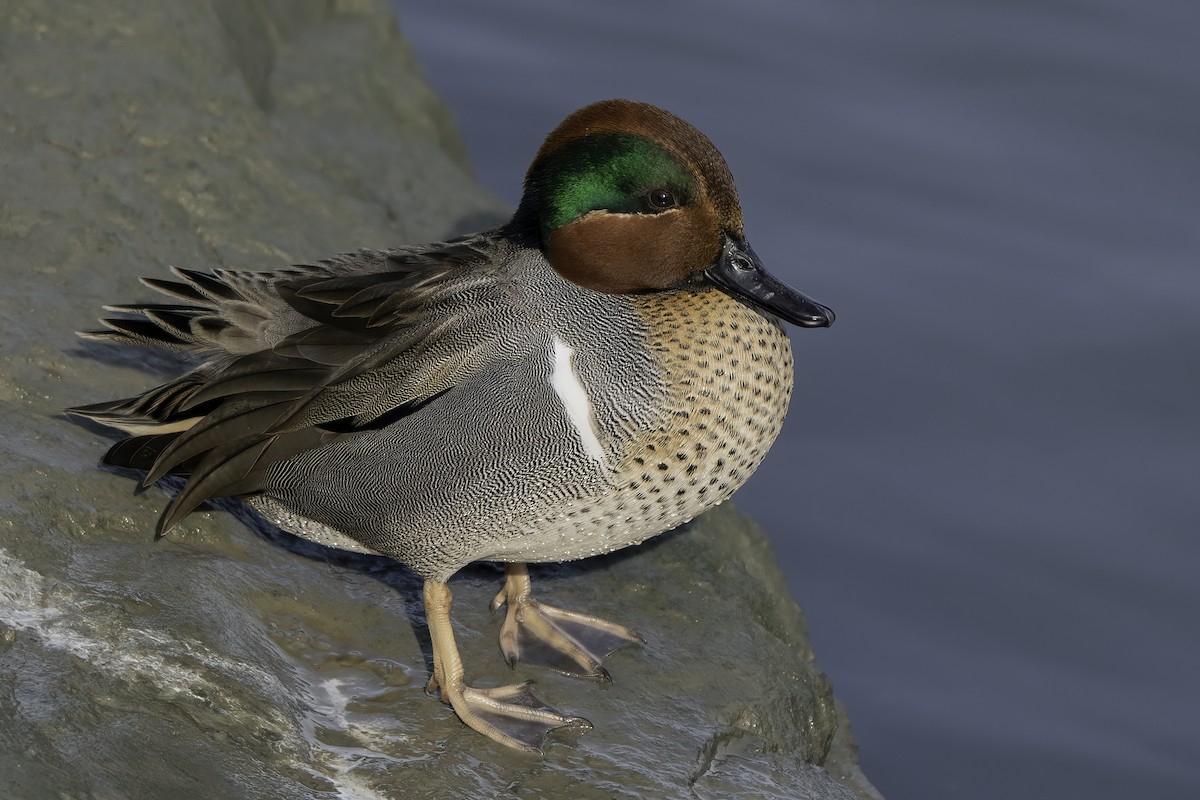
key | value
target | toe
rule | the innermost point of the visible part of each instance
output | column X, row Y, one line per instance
column 514, row 716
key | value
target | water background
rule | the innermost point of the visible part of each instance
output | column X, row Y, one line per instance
column 985, row 497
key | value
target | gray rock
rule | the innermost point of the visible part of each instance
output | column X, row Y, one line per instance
column 223, row 662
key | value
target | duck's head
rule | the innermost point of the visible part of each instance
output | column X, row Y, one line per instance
column 626, row 198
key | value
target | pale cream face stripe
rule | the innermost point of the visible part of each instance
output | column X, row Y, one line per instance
column 566, row 384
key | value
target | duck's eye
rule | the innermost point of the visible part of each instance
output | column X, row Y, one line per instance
column 660, row 200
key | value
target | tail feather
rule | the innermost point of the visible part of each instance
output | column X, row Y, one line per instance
column 219, row 473
column 227, row 424
column 163, row 409
column 179, row 290
column 214, row 315
column 138, row 452
column 214, row 290
column 137, row 331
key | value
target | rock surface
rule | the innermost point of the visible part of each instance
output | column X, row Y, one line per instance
column 224, row 662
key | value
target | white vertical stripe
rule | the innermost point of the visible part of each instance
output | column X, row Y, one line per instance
column 567, row 386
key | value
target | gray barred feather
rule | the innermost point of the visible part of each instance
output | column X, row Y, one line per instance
column 451, row 403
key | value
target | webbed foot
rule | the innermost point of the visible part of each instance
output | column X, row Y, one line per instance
column 565, row 641
column 511, row 715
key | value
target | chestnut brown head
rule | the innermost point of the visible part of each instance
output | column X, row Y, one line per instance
column 624, row 197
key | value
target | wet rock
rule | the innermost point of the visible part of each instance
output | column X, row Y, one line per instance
column 227, row 661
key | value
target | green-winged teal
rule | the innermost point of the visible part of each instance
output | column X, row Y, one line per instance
column 600, row 369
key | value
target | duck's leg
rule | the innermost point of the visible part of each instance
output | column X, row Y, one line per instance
column 565, row 641
column 511, row 715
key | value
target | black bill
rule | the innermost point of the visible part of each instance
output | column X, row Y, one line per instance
column 739, row 272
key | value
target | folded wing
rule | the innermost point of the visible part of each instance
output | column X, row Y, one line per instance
column 291, row 360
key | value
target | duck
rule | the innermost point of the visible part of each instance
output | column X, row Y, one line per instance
column 601, row 368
